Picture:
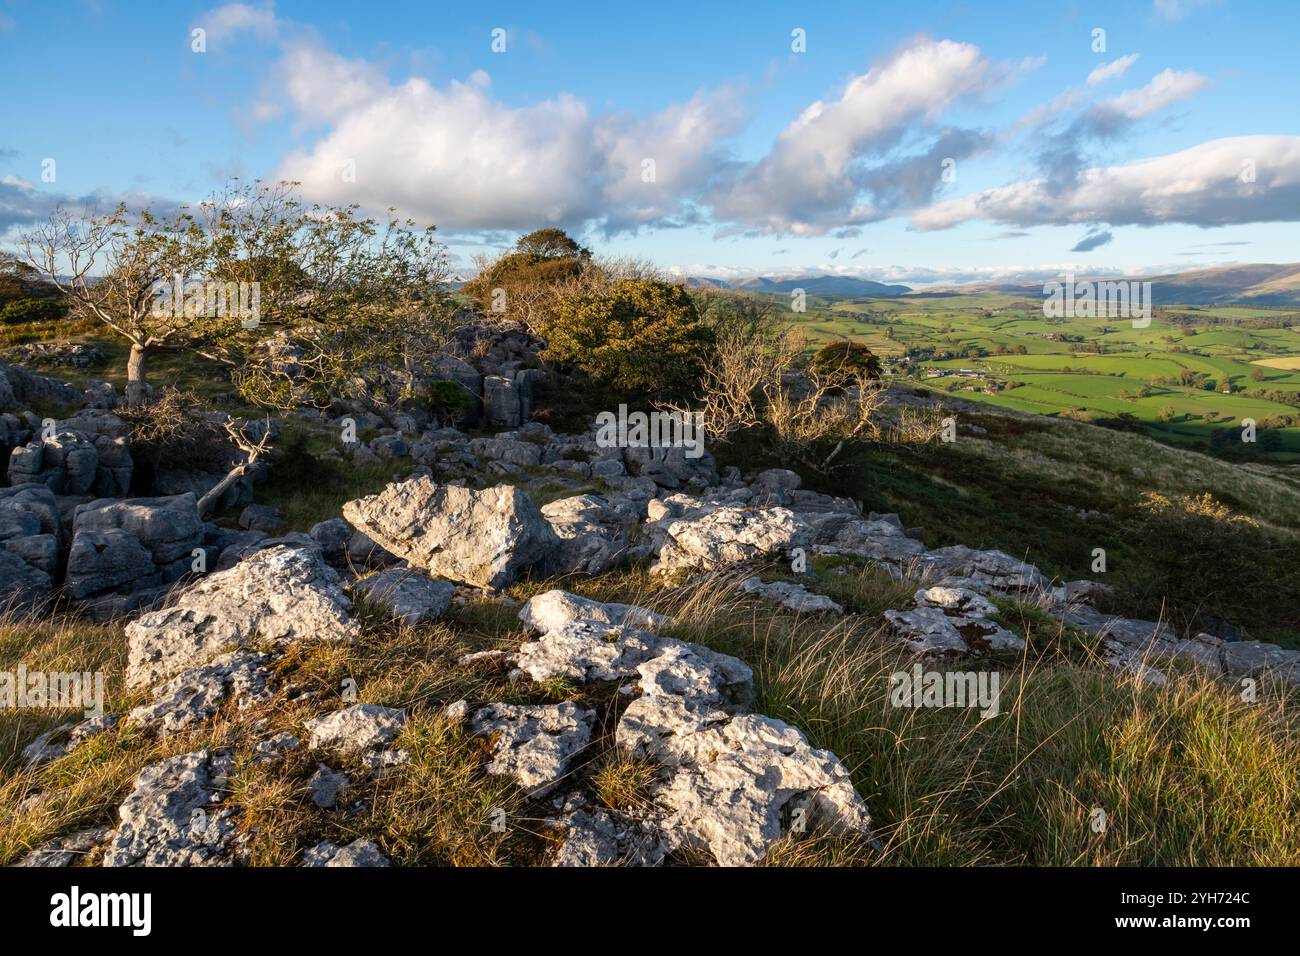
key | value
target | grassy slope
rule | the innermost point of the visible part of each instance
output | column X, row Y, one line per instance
column 1190, row 776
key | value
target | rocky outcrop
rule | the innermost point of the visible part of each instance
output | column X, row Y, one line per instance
column 729, row 536
column 592, row 533
column 952, row 622
column 174, row 817
column 729, row 782
column 21, row 388
column 279, row 595
column 534, row 745
column 410, row 596
column 485, row 538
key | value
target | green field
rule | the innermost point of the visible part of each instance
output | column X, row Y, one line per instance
column 1195, row 372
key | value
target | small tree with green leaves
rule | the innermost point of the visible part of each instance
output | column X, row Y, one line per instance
column 634, row 334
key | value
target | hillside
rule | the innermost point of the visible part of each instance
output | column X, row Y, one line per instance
column 1252, row 284
column 844, row 287
column 506, row 644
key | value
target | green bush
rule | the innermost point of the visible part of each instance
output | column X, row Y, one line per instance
column 842, row 361
column 22, row 311
column 448, row 400
column 635, row 334
column 541, row 259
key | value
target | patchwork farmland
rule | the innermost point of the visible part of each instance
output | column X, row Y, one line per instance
column 1192, row 377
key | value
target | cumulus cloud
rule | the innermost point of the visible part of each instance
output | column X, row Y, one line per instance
column 1239, row 179
column 812, row 180
column 458, row 157
column 1111, row 70
column 1063, row 154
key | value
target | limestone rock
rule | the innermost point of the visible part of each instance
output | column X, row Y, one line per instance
column 169, row 528
column 732, row 535
column 278, row 595
column 554, row 609
column 485, row 538
column 408, row 595
column 356, row 853
column 597, row 838
column 534, row 744
column 735, row 781
column 172, row 816
column 325, row 786
column 193, row 696
column 67, row 850
column 354, row 728
column 106, row 561
column 793, row 596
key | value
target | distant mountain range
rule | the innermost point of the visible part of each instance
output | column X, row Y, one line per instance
column 1257, row 284
column 845, row 287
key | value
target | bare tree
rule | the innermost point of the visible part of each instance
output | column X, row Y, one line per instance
column 112, row 268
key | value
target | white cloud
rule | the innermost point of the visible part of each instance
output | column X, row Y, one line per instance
column 231, row 19
column 1203, row 186
column 458, row 158
column 1111, row 70
column 806, row 185
column 1166, row 88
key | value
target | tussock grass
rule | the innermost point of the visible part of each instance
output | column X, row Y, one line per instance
column 1192, row 775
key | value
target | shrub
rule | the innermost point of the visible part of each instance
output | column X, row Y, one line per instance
column 637, row 334
column 842, row 362
column 542, row 262
column 32, row 310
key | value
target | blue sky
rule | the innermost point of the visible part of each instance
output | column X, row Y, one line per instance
column 766, row 160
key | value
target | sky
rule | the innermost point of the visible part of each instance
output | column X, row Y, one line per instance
column 923, row 143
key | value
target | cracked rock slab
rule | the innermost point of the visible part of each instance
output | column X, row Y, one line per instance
column 597, row 838
column 172, row 816
column 193, row 696
column 279, row 595
column 356, row 853
column 934, row 632
column 359, row 727
column 732, row 535
column 737, row 783
column 793, row 596
column 534, row 744
column 554, row 609
column 67, row 850
column 484, row 538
